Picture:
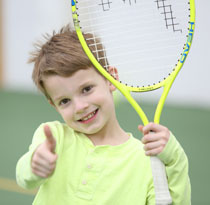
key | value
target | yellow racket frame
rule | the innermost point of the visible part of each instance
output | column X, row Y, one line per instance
column 126, row 90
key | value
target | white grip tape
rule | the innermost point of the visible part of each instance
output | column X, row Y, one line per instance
column 162, row 194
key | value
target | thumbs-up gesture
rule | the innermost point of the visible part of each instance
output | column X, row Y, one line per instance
column 43, row 161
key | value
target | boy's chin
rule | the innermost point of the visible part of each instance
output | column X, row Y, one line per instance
column 88, row 130
column 92, row 131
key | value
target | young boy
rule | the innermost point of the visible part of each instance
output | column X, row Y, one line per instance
column 90, row 159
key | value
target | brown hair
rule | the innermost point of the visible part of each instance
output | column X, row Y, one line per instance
column 61, row 55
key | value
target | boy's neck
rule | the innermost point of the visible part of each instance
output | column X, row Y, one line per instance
column 112, row 136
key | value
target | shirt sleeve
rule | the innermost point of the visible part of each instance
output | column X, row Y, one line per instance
column 176, row 162
column 24, row 176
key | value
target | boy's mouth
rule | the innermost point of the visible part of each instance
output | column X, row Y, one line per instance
column 89, row 117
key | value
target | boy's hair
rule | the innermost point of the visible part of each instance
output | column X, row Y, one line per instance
column 61, row 55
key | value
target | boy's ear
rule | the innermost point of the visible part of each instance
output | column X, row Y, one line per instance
column 51, row 103
column 113, row 71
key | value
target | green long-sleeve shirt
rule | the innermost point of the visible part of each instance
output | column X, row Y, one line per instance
column 102, row 175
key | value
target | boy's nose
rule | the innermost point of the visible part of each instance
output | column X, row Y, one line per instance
column 80, row 105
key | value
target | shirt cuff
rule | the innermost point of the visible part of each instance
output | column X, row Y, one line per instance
column 170, row 151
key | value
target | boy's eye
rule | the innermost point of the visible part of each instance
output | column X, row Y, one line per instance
column 64, row 101
column 87, row 89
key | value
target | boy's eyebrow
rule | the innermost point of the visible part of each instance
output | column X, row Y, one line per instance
column 84, row 84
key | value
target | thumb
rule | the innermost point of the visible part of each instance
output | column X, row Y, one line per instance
column 50, row 140
column 141, row 127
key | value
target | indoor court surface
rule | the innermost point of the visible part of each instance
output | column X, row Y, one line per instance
column 21, row 114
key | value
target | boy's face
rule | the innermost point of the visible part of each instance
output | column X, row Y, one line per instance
column 84, row 100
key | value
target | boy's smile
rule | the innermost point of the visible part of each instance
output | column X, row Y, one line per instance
column 83, row 99
column 88, row 118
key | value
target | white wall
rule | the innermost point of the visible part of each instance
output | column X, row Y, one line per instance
column 24, row 23
column 26, row 20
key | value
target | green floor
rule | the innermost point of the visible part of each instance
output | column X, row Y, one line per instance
column 21, row 113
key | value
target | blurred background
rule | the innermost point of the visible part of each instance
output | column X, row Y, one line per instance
column 22, row 108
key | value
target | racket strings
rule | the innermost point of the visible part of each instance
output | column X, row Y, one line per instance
column 145, row 44
column 137, row 72
column 98, row 47
column 95, row 7
column 152, row 42
column 124, row 46
column 144, row 67
column 106, row 31
column 168, row 13
column 139, row 19
column 139, row 60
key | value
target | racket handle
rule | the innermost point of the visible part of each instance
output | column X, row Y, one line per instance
column 162, row 194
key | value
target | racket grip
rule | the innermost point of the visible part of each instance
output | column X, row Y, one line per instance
column 162, row 194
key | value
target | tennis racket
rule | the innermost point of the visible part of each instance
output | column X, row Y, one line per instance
column 147, row 41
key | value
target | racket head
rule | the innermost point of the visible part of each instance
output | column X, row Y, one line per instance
column 148, row 50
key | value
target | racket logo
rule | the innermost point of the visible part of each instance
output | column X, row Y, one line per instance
column 73, row 2
column 189, row 41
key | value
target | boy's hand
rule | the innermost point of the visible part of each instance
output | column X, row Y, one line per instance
column 155, row 138
column 43, row 161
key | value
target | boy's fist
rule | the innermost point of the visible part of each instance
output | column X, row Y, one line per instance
column 44, row 159
column 155, row 138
